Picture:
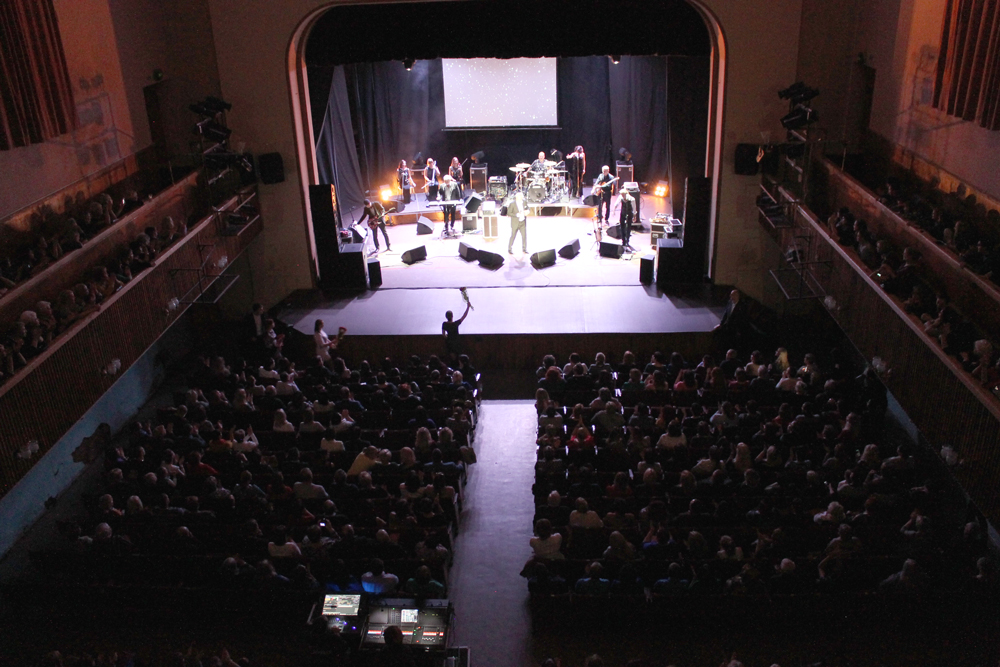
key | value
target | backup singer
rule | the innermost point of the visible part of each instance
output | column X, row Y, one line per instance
column 457, row 174
column 375, row 215
column 404, row 180
column 431, row 176
column 627, row 214
column 518, row 212
column 576, row 165
column 450, row 192
column 604, row 186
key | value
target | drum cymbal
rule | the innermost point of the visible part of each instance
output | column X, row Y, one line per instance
column 516, row 169
column 558, row 171
column 522, row 165
column 550, row 163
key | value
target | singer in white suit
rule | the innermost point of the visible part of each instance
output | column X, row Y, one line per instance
column 518, row 212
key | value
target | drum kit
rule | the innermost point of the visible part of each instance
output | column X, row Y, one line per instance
column 541, row 187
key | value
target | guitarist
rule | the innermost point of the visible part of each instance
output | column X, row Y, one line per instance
column 604, row 187
column 375, row 214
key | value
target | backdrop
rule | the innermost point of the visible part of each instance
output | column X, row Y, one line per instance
column 375, row 114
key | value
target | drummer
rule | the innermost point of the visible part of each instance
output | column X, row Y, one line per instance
column 538, row 167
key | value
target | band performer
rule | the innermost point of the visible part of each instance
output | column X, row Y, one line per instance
column 518, row 212
column 604, row 187
column 457, row 174
column 375, row 214
column 576, row 165
column 450, row 192
column 627, row 202
column 431, row 177
column 538, row 166
column 404, row 181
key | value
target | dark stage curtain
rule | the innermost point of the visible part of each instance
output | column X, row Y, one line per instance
column 395, row 114
column 36, row 98
column 968, row 74
column 336, row 154
column 638, row 122
column 687, row 123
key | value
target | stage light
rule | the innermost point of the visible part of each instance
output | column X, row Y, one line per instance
column 478, row 157
column 798, row 117
column 385, row 192
column 616, row 59
column 418, row 159
column 624, row 155
column 408, row 63
column 662, row 188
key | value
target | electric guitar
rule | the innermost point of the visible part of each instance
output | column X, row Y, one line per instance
column 606, row 185
column 374, row 222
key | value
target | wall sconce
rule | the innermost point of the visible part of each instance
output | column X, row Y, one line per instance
column 28, row 450
column 223, row 262
column 112, row 368
column 831, row 303
column 173, row 305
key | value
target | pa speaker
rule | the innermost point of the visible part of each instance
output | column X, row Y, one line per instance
column 614, row 231
column 415, row 255
column 490, row 260
column 424, row 226
column 746, row 160
column 374, row 273
column 612, row 250
column 544, row 258
column 646, row 268
column 570, row 250
column 467, row 252
column 473, row 203
column 358, row 235
column 271, row 168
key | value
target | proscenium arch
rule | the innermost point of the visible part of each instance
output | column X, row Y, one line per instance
column 303, row 121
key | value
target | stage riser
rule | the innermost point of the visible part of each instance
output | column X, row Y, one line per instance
column 407, row 218
column 524, row 352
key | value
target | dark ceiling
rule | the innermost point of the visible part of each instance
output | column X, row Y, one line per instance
column 506, row 29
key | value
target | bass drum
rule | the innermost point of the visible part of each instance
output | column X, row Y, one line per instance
column 536, row 192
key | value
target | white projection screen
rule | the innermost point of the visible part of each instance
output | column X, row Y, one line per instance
column 489, row 92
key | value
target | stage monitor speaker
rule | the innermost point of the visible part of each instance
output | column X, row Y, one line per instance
column 540, row 260
column 591, row 200
column 424, row 226
column 570, row 250
column 415, row 255
column 647, row 269
column 746, row 160
column 467, row 252
column 374, row 273
column 470, row 223
column 358, row 235
column 614, row 231
column 473, row 203
column 490, row 260
column 397, row 207
column 271, row 168
column 612, row 250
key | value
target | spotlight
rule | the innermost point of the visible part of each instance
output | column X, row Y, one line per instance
column 478, row 157
column 408, row 63
column 385, row 192
column 798, row 117
column 616, row 59
column 661, row 190
column 625, row 155
column 418, row 159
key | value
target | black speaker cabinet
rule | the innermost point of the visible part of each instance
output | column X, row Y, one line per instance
column 358, row 234
column 350, row 269
column 670, row 263
column 746, row 160
column 647, row 268
column 570, row 250
column 478, row 177
column 540, row 260
column 473, row 203
column 326, row 232
column 614, row 231
column 697, row 218
column 470, row 223
column 490, row 260
column 467, row 252
column 271, row 168
column 374, row 273
column 415, row 255
column 624, row 171
column 612, row 250
column 424, row 226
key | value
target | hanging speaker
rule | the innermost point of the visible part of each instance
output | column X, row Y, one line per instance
column 424, row 226
column 414, row 255
column 746, row 160
column 540, row 260
column 271, row 168
column 570, row 250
